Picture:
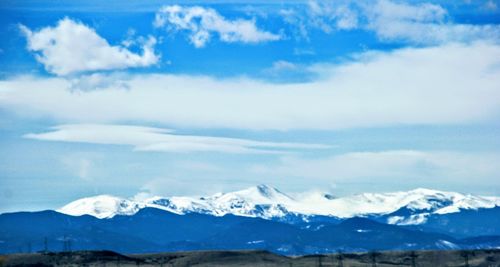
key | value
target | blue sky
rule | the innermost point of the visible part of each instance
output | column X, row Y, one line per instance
column 197, row 97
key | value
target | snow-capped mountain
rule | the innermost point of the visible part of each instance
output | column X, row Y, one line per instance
column 267, row 219
column 103, row 206
column 269, row 203
column 259, row 201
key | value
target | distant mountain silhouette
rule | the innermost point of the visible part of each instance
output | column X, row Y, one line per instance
column 154, row 230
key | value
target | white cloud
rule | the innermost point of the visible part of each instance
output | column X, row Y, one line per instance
column 99, row 81
column 346, row 18
column 424, row 168
column 79, row 166
column 323, row 15
column 332, row 15
column 283, row 65
column 286, row 71
column 491, row 5
column 73, row 47
column 451, row 84
column 422, row 23
column 161, row 140
column 201, row 23
column 423, row 12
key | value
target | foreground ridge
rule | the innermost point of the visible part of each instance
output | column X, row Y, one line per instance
column 257, row 258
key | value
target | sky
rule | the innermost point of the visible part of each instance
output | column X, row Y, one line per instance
column 198, row 97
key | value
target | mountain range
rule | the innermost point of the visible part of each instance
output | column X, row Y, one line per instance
column 413, row 207
column 261, row 217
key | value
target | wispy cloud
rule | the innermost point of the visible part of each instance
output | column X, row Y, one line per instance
column 73, row 47
column 289, row 72
column 327, row 16
column 418, row 23
column 80, row 165
column 202, row 23
column 422, row 23
column 162, row 140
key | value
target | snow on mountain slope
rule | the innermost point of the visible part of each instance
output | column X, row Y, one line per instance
column 245, row 202
column 259, row 201
column 469, row 202
column 268, row 202
column 384, row 203
column 103, row 206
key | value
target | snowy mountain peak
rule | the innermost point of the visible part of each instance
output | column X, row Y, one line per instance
column 260, row 194
column 266, row 190
column 102, row 206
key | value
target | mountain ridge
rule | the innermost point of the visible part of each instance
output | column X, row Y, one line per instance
column 267, row 202
column 155, row 230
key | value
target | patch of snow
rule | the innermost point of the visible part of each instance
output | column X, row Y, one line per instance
column 256, row 242
column 414, row 219
column 315, row 228
column 443, row 244
column 470, row 202
column 395, row 219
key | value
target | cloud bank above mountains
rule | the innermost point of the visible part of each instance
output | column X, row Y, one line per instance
column 449, row 84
